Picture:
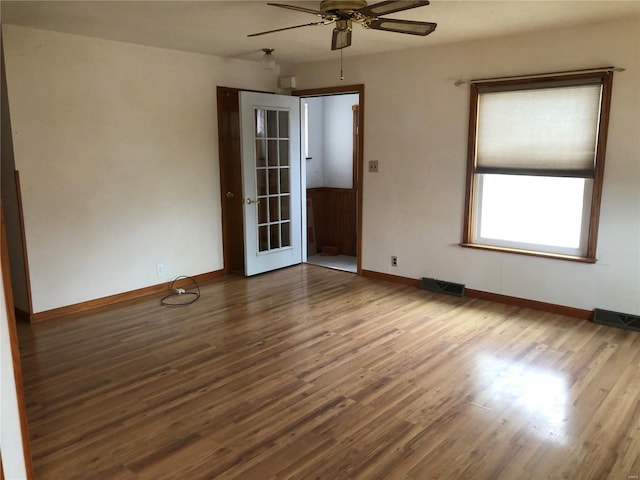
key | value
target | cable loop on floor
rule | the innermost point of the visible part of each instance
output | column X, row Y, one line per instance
column 180, row 297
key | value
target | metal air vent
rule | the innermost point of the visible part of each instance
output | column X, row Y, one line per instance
column 616, row 319
column 442, row 286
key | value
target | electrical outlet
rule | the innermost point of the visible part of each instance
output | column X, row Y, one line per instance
column 373, row 166
column 160, row 269
column 394, row 261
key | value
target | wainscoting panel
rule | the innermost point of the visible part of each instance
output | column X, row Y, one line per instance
column 334, row 213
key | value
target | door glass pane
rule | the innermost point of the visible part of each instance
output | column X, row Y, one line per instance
column 272, row 123
column 284, row 153
column 284, row 180
column 273, row 153
column 262, row 181
column 262, row 210
column 260, row 123
column 283, row 124
column 273, row 181
column 261, row 153
column 286, row 234
column 284, row 207
column 275, row 236
column 274, row 209
column 263, row 238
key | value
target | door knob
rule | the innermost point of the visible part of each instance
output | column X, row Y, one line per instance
column 230, row 195
column 250, row 201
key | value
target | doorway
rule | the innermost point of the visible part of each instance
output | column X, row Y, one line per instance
column 330, row 144
column 231, row 173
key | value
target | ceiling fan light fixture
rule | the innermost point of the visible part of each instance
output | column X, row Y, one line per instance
column 340, row 39
column 343, row 24
column 268, row 60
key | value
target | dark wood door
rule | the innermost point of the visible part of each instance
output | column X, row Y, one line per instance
column 230, row 178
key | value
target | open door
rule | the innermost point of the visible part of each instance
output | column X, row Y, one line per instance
column 271, row 181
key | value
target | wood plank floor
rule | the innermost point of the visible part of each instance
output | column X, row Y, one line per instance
column 308, row 373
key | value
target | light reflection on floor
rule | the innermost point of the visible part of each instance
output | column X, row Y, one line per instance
column 539, row 393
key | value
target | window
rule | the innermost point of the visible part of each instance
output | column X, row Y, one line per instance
column 535, row 166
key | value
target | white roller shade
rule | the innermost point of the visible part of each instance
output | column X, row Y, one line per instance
column 539, row 130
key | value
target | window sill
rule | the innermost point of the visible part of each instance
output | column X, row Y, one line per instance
column 558, row 256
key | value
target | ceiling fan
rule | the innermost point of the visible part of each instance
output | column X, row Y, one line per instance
column 346, row 12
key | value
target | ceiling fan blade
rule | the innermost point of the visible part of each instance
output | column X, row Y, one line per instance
column 299, row 9
column 340, row 39
column 392, row 6
column 285, row 28
column 402, row 26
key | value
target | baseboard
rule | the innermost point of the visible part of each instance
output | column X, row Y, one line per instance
column 533, row 304
column 412, row 282
column 89, row 305
column 493, row 297
column 211, row 276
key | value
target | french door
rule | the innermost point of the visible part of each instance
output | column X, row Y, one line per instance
column 271, row 181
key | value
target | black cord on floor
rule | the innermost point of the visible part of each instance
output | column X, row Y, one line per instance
column 186, row 297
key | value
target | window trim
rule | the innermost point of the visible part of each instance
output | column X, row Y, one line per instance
column 471, row 193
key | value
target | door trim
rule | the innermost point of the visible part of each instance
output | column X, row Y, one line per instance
column 359, row 89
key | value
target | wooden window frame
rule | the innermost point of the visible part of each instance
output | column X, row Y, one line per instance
column 606, row 78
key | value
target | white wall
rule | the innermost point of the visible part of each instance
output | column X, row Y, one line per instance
column 315, row 129
column 416, row 124
column 117, row 150
column 331, row 141
column 338, row 140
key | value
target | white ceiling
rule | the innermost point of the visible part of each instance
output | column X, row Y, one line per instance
column 221, row 27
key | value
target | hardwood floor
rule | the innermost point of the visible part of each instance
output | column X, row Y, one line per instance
column 310, row 373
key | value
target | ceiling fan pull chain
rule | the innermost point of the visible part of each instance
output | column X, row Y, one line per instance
column 341, row 70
